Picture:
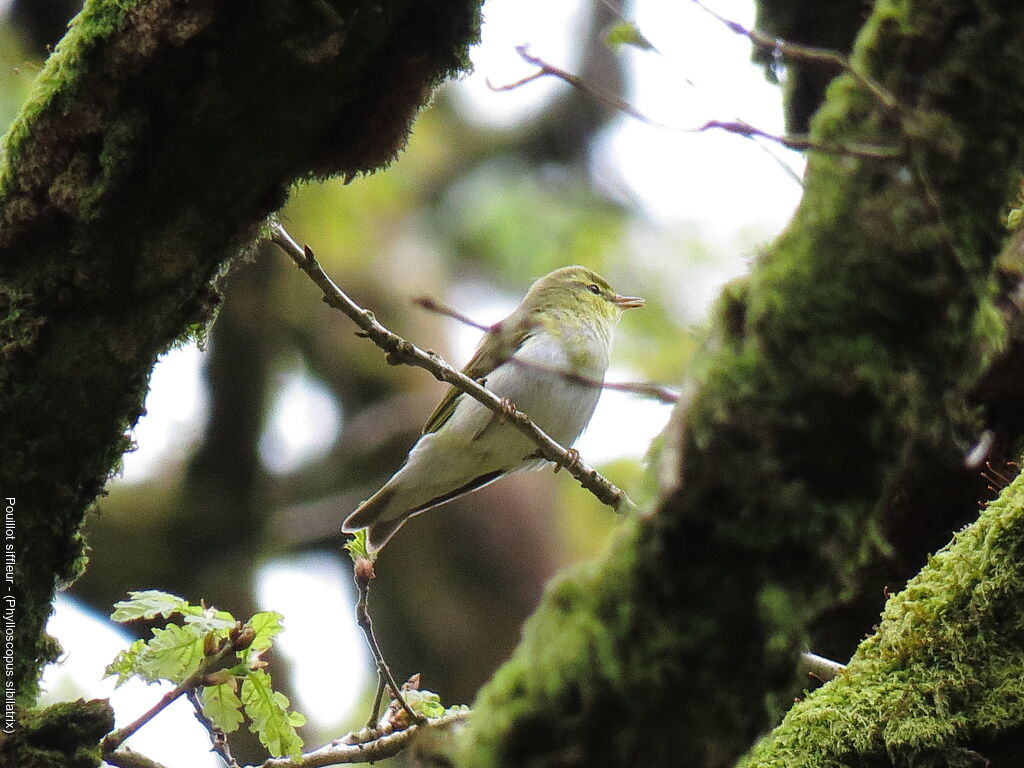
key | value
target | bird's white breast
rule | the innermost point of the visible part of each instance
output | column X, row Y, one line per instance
column 473, row 443
column 558, row 405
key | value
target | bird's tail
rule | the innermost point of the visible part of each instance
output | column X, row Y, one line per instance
column 378, row 534
column 369, row 515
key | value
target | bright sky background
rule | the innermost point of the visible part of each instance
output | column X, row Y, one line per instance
column 723, row 186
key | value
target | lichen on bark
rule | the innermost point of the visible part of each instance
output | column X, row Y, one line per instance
column 849, row 350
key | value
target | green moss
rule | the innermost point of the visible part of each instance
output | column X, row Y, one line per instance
column 571, row 658
column 65, row 735
column 943, row 674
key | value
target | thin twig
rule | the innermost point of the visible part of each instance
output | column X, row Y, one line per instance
column 779, row 161
column 377, row 699
column 545, row 69
column 400, row 351
column 820, row 667
column 884, row 97
column 652, row 391
column 208, row 664
column 795, row 52
column 931, row 195
column 433, row 305
column 783, row 165
column 738, row 127
column 980, row 450
column 363, row 579
column 342, row 751
column 218, row 738
column 802, row 142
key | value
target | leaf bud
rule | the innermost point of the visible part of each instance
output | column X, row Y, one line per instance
column 364, row 571
column 244, row 638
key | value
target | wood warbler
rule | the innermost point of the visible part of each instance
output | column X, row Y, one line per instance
column 563, row 327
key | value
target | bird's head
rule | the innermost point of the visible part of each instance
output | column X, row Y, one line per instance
column 577, row 292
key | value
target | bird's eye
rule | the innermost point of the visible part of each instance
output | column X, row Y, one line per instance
column 594, row 289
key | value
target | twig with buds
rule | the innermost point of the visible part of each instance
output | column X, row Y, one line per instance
column 363, row 575
column 738, row 127
column 215, row 660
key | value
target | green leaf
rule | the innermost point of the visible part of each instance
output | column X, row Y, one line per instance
column 426, row 703
column 627, row 33
column 356, row 546
column 222, row 705
column 125, row 663
column 173, row 654
column 149, row 604
column 271, row 720
column 266, row 624
column 212, row 620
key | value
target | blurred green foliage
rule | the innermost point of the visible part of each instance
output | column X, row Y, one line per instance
column 17, row 70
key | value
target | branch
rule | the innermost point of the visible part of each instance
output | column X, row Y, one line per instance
column 652, row 391
column 341, row 751
column 363, row 575
column 218, row 738
column 400, row 351
column 239, row 641
column 92, row 108
column 820, row 667
column 128, row 758
column 804, row 143
column 545, row 70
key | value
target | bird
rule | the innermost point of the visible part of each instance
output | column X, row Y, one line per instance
column 547, row 359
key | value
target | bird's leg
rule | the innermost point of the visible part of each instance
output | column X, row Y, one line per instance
column 506, row 411
column 571, row 462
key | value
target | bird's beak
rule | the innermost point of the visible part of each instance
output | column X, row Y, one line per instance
column 628, row 302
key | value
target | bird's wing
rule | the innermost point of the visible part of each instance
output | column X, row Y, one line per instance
column 497, row 346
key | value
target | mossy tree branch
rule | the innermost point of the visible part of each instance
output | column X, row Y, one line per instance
column 939, row 683
column 850, row 349
column 159, row 136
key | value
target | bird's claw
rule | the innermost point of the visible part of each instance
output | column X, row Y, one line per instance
column 508, row 410
column 571, row 462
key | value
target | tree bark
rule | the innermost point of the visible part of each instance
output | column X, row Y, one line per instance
column 846, row 356
column 159, row 136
